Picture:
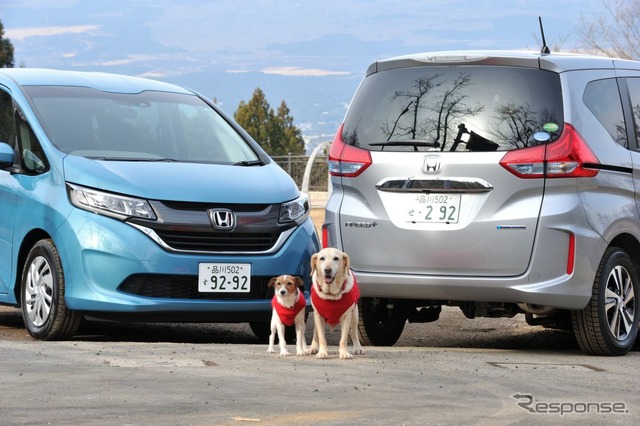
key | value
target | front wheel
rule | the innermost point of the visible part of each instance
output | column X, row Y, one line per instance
column 608, row 325
column 44, row 310
column 381, row 322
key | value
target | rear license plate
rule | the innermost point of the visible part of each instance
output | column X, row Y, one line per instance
column 224, row 277
column 431, row 208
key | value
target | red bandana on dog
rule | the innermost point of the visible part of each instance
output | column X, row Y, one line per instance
column 288, row 315
column 332, row 310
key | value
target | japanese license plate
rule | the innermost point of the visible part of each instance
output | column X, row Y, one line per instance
column 432, row 208
column 224, row 277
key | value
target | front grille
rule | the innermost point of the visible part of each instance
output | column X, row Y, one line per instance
column 203, row 207
column 219, row 242
column 186, row 227
column 186, row 287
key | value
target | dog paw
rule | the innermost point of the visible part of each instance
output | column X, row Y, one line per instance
column 271, row 350
column 322, row 355
column 284, row 352
column 311, row 351
column 345, row 355
column 359, row 351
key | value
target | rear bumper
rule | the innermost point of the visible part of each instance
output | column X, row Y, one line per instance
column 547, row 280
column 567, row 292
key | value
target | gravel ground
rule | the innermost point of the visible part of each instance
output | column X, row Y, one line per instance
column 452, row 330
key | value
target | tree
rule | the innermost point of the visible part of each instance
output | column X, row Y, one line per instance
column 6, row 50
column 615, row 32
column 293, row 141
column 276, row 133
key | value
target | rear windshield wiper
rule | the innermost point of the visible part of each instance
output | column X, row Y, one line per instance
column 415, row 143
column 249, row 163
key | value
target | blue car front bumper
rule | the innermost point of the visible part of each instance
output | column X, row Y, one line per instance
column 113, row 269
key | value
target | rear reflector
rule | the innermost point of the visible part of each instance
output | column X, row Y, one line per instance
column 325, row 237
column 572, row 254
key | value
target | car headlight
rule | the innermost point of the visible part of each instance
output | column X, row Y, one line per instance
column 295, row 211
column 114, row 205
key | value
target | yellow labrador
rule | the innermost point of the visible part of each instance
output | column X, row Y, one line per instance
column 334, row 297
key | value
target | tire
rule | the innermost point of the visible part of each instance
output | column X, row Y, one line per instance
column 378, row 325
column 608, row 325
column 44, row 310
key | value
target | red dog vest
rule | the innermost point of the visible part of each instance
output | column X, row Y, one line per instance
column 288, row 315
column 332, row 310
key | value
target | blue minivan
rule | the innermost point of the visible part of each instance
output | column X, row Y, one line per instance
column 130, row 199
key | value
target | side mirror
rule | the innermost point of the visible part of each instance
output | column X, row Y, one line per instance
column 6, row 155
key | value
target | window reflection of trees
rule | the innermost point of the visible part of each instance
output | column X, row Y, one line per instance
column 621, row 129
column 603, row 100
column 7, row 125
column 436, row 118
column 516, row 124
column 445, row 112
column 433, row 121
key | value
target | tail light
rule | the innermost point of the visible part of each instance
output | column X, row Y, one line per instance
column 347, row 160
column 569, row 156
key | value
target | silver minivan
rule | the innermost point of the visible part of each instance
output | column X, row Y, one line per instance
column 503, row 183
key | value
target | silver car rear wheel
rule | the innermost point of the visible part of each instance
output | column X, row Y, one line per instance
column 379, row 323
column 609, row 323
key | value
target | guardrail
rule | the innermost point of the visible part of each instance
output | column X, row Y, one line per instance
column 310, row 173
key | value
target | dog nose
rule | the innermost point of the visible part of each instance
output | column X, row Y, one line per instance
column 283, row 292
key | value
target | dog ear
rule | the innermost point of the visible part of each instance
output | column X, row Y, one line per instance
column 299, row 282
column 272, row 282
column 314, row 256
column 347, row 263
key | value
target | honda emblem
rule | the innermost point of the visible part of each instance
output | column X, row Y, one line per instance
column 222, row 219
column 431, row 164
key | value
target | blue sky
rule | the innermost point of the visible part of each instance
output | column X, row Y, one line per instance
column 312, row 54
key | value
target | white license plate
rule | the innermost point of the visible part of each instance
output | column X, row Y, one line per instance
column 224, row 277
column 432, row 208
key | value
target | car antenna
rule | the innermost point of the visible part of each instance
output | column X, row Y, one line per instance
column 545, row 49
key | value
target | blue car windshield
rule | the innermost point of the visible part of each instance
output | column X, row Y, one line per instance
column 145, row 126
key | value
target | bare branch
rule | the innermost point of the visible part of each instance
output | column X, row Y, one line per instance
column 615, row 32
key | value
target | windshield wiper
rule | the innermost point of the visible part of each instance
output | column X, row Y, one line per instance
column 249, row 163
column 134, row 159
column 415, row 143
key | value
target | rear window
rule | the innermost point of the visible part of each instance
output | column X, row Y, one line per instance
column 469, row 108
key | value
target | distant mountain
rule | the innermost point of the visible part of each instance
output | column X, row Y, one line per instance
column 225, row 50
